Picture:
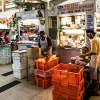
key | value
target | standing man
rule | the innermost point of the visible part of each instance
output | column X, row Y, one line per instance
column 45, row 44
column 95, row 60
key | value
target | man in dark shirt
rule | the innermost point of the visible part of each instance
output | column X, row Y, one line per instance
column 45, row 44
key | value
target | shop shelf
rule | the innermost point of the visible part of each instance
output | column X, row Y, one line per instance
column 42, row 73
column 43, row 83
column 73, row 74
column 46, row 65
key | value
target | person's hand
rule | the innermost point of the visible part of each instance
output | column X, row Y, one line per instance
column 44, row 53
column 82, row 56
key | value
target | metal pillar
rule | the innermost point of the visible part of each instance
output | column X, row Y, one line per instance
column 3, row 5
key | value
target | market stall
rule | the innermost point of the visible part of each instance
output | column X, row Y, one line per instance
column 73, row 20
column 30, row 22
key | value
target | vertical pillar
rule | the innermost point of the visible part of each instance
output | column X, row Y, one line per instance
column 46, row 20
column 3, row 5
column 27, row 0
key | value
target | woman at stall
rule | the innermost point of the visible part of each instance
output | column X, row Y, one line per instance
column 7, row 38
column 95, row 60
column 45, row 44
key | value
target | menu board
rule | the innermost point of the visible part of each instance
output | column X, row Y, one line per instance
column 90, row 20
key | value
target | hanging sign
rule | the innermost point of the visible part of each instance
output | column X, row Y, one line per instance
column 30, row 14
column 53, row 11
column 90, row 20
column 76, row 8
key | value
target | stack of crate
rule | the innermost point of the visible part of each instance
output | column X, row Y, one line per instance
column 19, row 65
column 43, row 72
column 5, row 54
column 68, row 82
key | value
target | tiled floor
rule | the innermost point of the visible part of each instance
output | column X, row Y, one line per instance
column 26, row 90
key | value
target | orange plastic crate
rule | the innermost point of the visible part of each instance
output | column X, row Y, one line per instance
column 43, row 83
column 43, row 78
column 68, row 72
column 55, row 83
column 61, row 96
column 46, row 65
column 60, row 86
column 43, row 73
column 77, row 98
column 74, row 91
column 71, row 90
column 56, row 95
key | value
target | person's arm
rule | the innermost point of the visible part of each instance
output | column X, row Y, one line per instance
column 39, row 44
column 88, row 54
column 49, row 44
column 93, row 49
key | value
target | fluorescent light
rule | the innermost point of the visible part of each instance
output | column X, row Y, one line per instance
column 73, row 31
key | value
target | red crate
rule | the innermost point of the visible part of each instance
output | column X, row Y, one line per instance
column 61, row 96
column 43, row 78
column 46, row 65
column 55, row 83
column 43, row 73
column 60, row 86
column 68, row 72
column 43, row 83
column 56, row 95
column 77, row 98
column 74, row 91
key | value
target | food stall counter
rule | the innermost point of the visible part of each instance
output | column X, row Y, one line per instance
column 65, row 54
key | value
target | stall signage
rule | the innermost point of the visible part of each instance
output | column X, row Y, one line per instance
column 90, row 20
column 75, row 8
column 53, row 11
column 30, row 14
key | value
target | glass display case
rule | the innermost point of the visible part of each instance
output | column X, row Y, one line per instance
column 72, row 31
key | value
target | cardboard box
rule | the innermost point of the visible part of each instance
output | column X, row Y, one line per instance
column 36, row 52
column 29, row 53
column 30, row 61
